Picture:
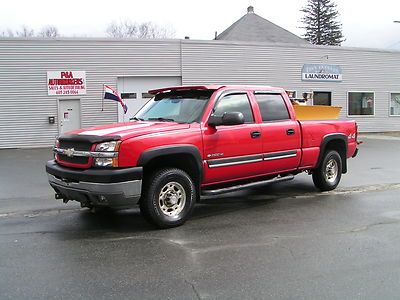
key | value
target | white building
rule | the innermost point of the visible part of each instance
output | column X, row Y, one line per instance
column 365, row 82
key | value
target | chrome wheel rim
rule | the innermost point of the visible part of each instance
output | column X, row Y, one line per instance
column 331, row 170
column 172, row 199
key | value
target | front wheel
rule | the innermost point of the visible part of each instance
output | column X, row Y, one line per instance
column 168, row 198
column 327, row 176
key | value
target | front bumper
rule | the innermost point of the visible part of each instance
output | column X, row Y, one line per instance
column 96, row 187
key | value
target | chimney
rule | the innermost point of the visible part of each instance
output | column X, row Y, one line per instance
column 250, row 10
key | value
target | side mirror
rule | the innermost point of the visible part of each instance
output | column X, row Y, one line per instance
column 228, row 118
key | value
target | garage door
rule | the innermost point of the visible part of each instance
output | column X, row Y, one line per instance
column 134, row 90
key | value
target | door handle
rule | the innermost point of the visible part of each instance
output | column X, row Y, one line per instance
column 290, row 131
column 255, row 134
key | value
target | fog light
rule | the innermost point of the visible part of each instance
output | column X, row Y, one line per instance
column 103, row 162
column 102, row 198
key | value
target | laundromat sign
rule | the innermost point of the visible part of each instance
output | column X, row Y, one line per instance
column 321, row 72
column 65, row 83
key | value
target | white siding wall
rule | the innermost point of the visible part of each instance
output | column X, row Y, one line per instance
column 280, row 65
column 24, row 103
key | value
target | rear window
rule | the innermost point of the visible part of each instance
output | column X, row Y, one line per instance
column 272, row 107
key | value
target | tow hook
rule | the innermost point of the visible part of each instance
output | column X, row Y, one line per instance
column 59, row 196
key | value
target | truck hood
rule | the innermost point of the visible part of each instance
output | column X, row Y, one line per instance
column 131, row 129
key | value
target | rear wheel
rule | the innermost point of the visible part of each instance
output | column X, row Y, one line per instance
column 328, row 174
column 168, row 198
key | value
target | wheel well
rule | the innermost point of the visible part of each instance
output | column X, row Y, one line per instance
column 338, row 145
column 183, row 161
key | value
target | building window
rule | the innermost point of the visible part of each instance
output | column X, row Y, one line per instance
column 395, row 104
column 147, row 96
column 272, row 107
column 128, row 95
column 361, row 103
column 322, row 98
column 291, row 94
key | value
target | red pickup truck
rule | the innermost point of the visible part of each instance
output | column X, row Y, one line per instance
column 190, row 141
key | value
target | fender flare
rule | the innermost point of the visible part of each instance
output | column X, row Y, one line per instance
column 152, row 153
column 332, row 137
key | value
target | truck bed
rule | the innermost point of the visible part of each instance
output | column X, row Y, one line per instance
column 314, row 131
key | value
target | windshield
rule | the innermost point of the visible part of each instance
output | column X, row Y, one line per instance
column 175, row 106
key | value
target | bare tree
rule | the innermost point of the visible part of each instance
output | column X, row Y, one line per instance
column 49, row 31
column 146, row 30
column 7, row 33
column 25, row 32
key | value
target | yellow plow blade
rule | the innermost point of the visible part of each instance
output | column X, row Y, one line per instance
column 316, row 112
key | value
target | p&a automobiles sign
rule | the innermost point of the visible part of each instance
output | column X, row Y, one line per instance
column 65, row 83
column 321, row 72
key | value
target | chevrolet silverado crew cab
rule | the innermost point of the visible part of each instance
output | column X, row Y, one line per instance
column 190, row 141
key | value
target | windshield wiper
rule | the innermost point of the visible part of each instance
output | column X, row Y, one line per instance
column 161, row 119
column 136, row 119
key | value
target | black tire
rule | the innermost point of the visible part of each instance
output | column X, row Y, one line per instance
column 328, row 174
column 168, row 198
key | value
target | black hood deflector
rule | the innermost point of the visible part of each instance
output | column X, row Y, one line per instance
column 93, row 139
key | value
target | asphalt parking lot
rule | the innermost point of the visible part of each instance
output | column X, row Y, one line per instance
column 284, row 241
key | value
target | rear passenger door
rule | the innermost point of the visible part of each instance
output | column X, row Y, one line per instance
column 281, row 136
column 232, row 151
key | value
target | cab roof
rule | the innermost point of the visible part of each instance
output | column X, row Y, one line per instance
column 216, row 87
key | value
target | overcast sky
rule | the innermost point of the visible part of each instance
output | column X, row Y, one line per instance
column 365, row 23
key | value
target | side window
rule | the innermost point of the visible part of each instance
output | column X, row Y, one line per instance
column 235, row 103
column 272, row 107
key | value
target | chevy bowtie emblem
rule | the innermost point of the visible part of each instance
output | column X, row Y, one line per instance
column 69, row 152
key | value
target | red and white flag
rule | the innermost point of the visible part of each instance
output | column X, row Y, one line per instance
column 111, row 94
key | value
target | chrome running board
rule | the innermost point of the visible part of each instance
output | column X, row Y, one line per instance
column 245, row 186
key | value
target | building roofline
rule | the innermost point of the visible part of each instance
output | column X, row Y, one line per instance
column 232, row 27
column 183, row 41
column 293, row 45
column 226, row 34
column 87, row 39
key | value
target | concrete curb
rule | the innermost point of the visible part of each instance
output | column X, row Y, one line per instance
column 378, row 136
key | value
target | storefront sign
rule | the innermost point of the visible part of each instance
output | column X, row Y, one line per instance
column 321, row 72
column 62, row 83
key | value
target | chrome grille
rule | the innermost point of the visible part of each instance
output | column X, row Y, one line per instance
column 81, row 146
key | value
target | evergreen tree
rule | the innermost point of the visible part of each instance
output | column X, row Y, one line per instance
column 321, row 25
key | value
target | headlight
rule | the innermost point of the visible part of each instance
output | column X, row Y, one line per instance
column 107, row 146
column 112, row 146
